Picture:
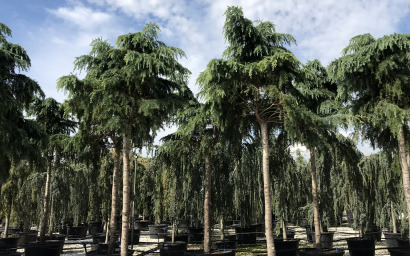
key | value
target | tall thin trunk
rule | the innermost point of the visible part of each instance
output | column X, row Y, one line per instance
column 222, row 228
column 316, row 217
column 393, row 217
column 284, row 235
column 174, row 230
column 207, row 204
column 113, row 234
column 404, row 167
column 50, row 223
column 7, row 224
column 106, row 228
column 125, row 193
column 46, row 202
column 266, row 189
column 133, row 204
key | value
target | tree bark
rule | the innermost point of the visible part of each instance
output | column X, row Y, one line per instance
column 404, row 167
column 174, row 230
column 46, row 201
column 7, row 224
column 125, row 193
column 316, row 217
column 266, row 189
column 284, row 229
column 222, row 228
column 50, row 223
column 207, row 204
column 393, row 217
column 113, row 234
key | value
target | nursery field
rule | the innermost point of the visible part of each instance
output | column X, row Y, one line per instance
column 149, row 246
column 267, row 141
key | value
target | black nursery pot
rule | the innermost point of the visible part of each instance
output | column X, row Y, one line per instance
column 314, row 252
column 8, row 246
column 361, row 246
column 246, row 235
column 391, row 239
column 183, row 224
column 173, row 249
column 259, row 229
column 403, row 242
column 136, row 238
column 141, row 224
column 49, row 248
column 375, row 235
column 400, row 252
column 157, row 231
column 76, row 232
column 99, row 238
column 326, row 239
column 286, row 247
column 95, row 227
column 196, row 235
column 26, row 237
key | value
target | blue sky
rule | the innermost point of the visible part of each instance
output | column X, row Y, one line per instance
column 54, row 32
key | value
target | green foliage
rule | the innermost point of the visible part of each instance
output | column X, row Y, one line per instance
column 373, row 75
column 17, row 92
column 379, row 187
column 255, row 78
column 249, row 42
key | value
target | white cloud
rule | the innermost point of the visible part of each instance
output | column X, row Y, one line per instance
column 322, row 28
column 83, row 17
column 141, row 9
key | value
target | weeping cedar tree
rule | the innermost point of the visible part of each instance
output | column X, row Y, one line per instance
column 50, row 117
column 378, row 193
column 373, row 75
column 315, row 123
column 17, row 91
column 198, row 131
column 91, row 101
column 138, row 85
column 290, row 182
column 256, row 77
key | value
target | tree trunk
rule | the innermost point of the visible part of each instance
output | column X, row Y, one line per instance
column 50, row 223
column 174, row 230
column 106, row 229
column 7, row 224
column 133, row 204
column 393, row 217
column 207, row 204
column 113, row 234
column 46, row 202
column 222, row 228
column 266, row 189
column 404, row 167
column 284, row 229
column 125, row 193
column 316, row 217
